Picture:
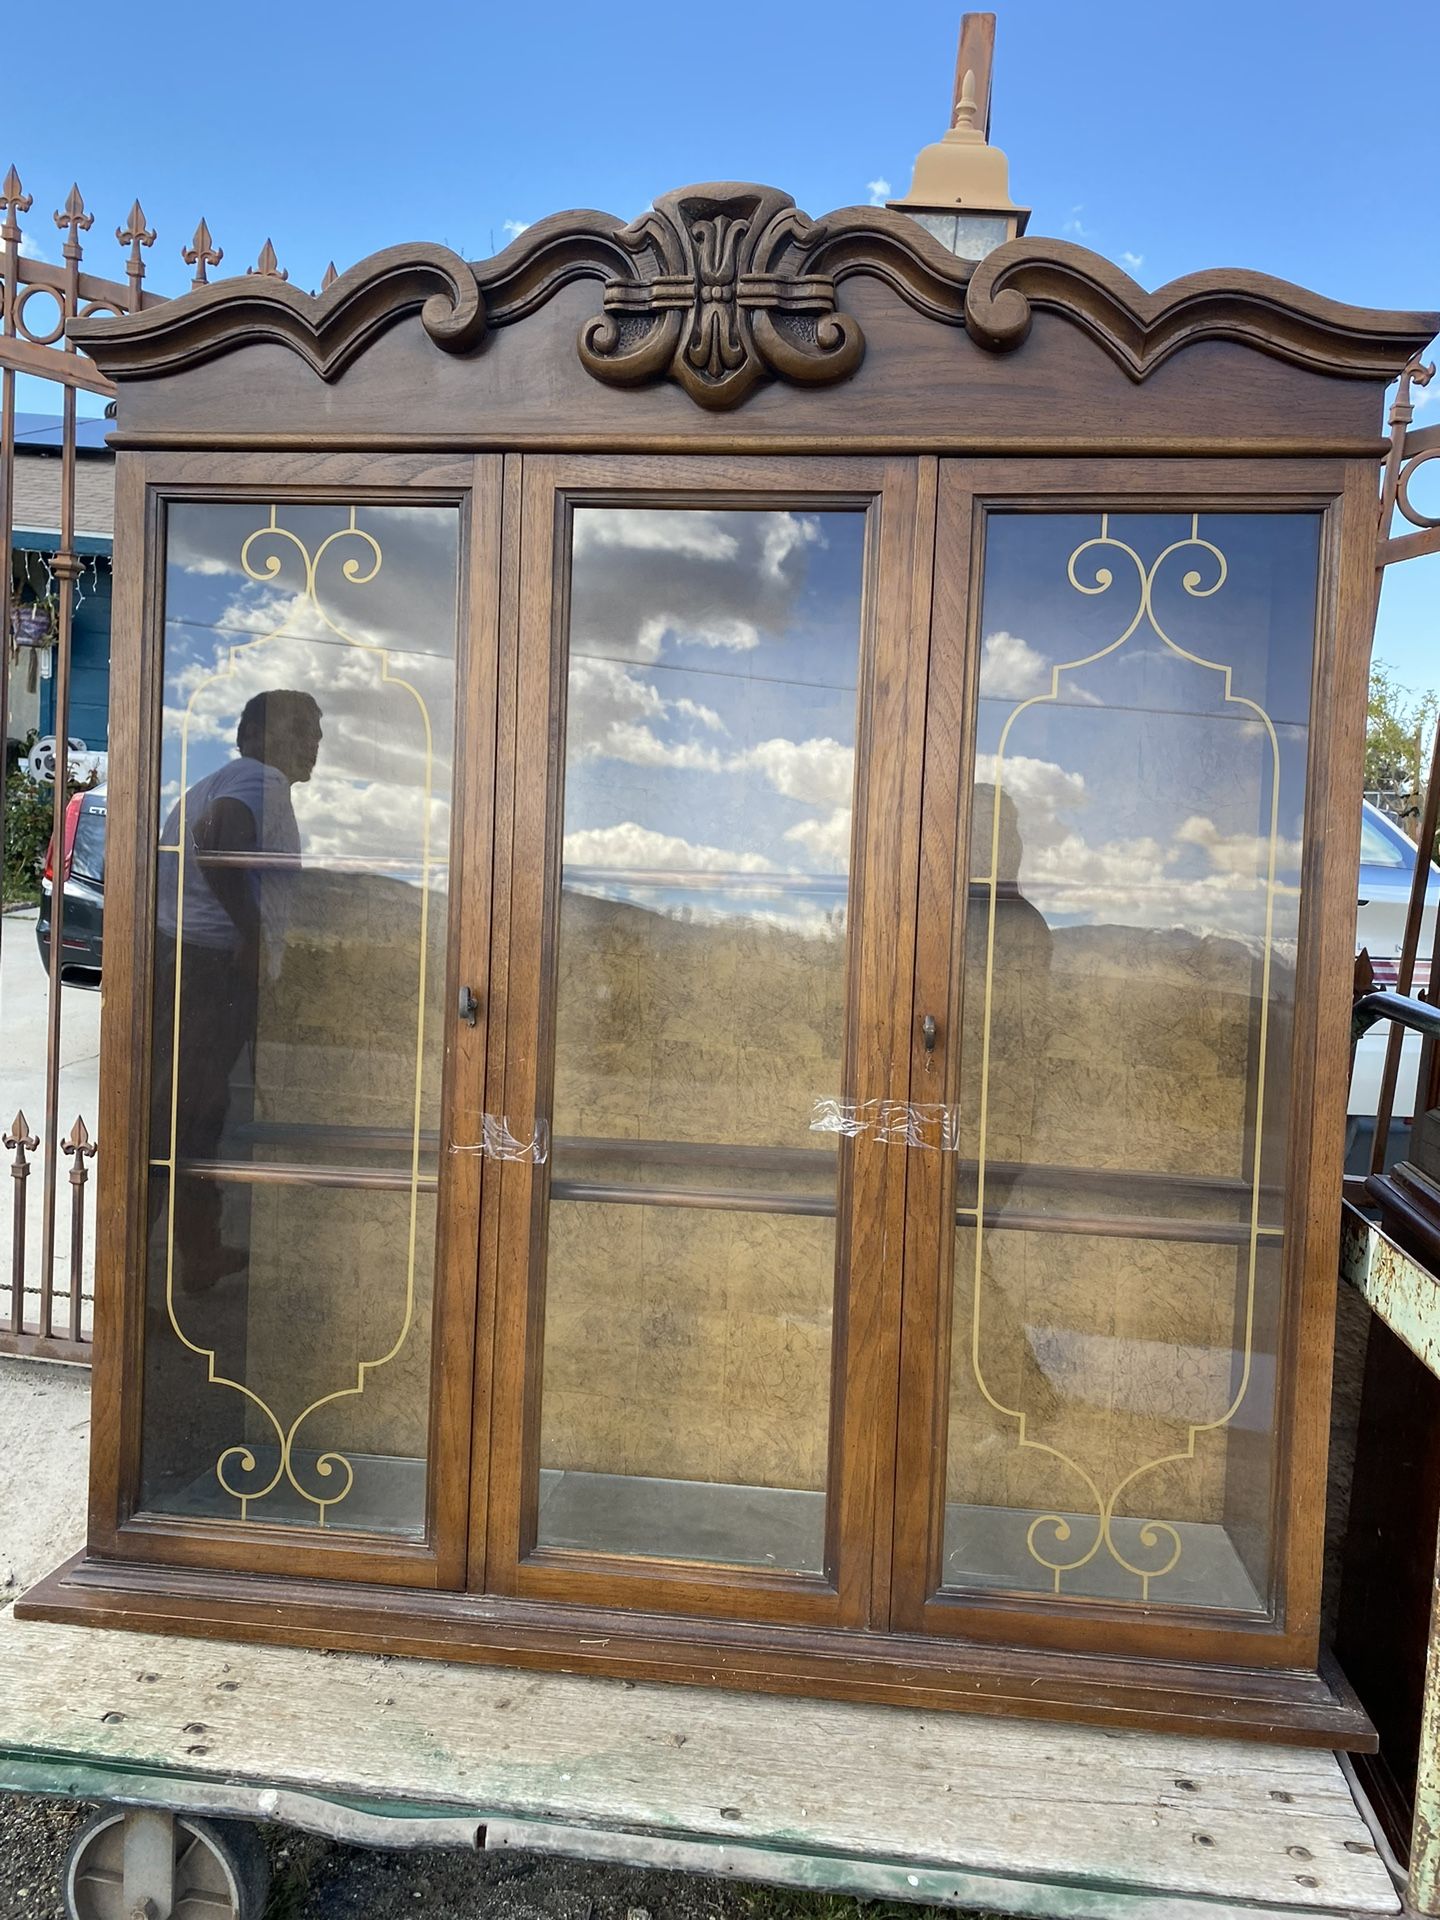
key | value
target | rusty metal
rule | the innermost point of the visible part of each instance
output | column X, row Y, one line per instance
column 1403, row 457
column 1408, row 452
column 79, row 1148
column 135, row 235
column 72, row 220
column 22, row 1143
column 200, row 254
column 46, row 1312
column 267, row 266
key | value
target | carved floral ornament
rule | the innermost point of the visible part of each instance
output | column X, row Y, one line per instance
column 723, row 287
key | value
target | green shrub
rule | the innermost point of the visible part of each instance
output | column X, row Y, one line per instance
column 28, row 818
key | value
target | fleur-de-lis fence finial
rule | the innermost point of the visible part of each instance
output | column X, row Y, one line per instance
column 267, row 267
column 331, row 276
column 78, row 1142
column 135, row 235
column 73, row 220
column 200, row 254
column 13, row 200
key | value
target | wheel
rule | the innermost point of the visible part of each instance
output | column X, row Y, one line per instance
column 222, row 1871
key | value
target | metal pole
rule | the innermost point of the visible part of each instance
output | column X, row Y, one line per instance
column 13, row 200
column 71, row 221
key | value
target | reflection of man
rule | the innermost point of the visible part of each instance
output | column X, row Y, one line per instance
column 219, row 926
column 1018, row 1008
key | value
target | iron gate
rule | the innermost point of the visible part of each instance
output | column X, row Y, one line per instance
column 46, row 1300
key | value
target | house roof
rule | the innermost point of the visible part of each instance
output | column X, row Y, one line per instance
column 46, row 431
column 38, row 470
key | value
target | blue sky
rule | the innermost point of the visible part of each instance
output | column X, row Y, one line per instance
column 1243, row 135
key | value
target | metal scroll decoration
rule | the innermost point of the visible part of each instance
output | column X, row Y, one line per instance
column 721, row 298
column 1050, row 1536
column 238, row 1467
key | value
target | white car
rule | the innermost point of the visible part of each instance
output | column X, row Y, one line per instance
column 1387, row 863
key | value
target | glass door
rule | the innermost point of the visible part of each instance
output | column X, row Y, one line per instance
column 1102, row 1286
column 315, row 838
column 711, row 882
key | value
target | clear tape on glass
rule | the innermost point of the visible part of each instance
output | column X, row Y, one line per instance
column 930, row 1124
column 498, row 1142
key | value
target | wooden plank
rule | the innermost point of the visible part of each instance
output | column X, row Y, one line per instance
column 1405, row 1295
column 1111, row 1812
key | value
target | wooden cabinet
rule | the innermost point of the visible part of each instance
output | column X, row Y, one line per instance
column 731, row 933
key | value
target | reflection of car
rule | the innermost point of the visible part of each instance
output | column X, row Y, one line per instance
column 1387, row 864
column 82, row 874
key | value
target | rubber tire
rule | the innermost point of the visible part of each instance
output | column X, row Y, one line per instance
column 235, row 1844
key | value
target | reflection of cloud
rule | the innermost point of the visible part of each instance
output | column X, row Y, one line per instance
column 821, row 772
column 1041, row 789
column 1148, row 882
column 1236, row 855
column 722, row 630
column 629, row 846
column 647, row 579
column 783, row 533
column 826, row 841
column 610, row 714
column 697, row 533
column 1011, row 669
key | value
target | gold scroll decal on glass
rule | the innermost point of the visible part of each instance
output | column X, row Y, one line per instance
column 1049, row 1533
column 331, row 1466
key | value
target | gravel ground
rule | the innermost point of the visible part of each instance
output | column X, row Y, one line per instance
column 315, row 1880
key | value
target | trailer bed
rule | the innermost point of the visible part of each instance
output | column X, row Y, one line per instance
column 1014, row 1816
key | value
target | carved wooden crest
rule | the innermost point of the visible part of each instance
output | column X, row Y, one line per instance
column 720, row 298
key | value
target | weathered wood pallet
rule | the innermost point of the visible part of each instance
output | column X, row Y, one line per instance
column 1018, row 1817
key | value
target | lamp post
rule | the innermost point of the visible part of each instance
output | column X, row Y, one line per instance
column 960, row 190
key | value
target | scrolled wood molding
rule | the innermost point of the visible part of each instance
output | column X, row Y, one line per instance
column 725, row 286
column 328, row 330
column 1141, row 330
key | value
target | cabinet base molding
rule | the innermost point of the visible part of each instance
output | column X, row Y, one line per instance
column 1299, row 1707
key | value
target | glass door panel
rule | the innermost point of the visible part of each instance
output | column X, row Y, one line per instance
column 1127, row 991
column 700, row 999
column 302, row 886
column 695, row 1355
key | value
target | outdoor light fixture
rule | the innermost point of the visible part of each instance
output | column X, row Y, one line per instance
column 960, row 190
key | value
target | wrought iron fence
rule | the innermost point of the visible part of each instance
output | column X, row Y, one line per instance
column 46, row 1308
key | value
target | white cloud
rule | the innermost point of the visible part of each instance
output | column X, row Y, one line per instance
column 819, row 772
column 31, row 247
column 1132, row 261
column 826, row 841
column 698, row 534
column 879, row 191
column 1011, row 669
column 641, row 747
column 613, row 713
column 1040, row 789
column 784, row 532
column 629, row 846
column 1076, row 227
column 515, row 227
column 1236, row 856
column 727, row 631
column 648, row 581
column 706, row 716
